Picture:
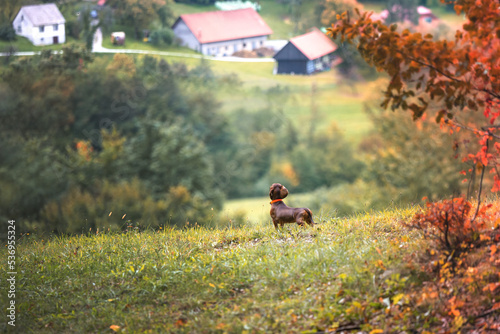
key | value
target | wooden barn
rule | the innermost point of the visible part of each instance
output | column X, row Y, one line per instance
column 222, row 33
column 306, row 54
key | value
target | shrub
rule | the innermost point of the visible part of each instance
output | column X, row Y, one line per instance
column 7, row 32
column 450, row 225
column 162, row 36
column 73, row 29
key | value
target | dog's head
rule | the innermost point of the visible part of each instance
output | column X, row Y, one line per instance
column 277, row 191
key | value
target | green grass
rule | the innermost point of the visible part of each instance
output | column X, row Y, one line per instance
column 253, row 279
column 23, row 44
column 276, row 15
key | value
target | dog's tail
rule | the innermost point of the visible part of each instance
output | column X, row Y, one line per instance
column 309, row 212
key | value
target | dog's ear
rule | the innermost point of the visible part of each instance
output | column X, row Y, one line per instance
column 283, row 192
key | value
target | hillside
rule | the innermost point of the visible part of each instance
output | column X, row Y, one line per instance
column 360, row 273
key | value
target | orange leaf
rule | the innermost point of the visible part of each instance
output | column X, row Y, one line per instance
column 181, row 322
column 115, row 328
column 493, row 249
column 492, row 286
column 376, row 331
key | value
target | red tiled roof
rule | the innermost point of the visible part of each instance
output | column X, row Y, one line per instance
column 219, row 26
column 314, row 44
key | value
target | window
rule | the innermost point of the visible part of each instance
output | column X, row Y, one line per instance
column 22, row 18
column 55, row 27
column 19, row 29
column 41, row 28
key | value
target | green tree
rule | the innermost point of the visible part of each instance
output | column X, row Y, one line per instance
column 9, row 10
column 166, row 155
column 406, row 160
column 28, row 177
column 37, row 93
column 327, row 161
column 138, row 13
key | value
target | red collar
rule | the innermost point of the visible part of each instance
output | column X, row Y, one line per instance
column 276, row 200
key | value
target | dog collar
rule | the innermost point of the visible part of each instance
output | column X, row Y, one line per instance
column 276, row 200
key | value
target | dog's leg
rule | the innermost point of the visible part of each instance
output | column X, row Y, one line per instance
column 275, row 224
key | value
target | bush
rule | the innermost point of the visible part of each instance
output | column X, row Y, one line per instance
column 73, row 29
column 162, row 36
column 7, row 32
column 450, row 225
column 117, row 206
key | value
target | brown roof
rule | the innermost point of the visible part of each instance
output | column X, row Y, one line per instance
column 45, row 14
column 219, row 26
column 314, row 44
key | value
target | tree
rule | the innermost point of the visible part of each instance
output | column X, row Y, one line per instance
column 167, row 155
column 405, row 159
column 329, row 9
column 326, row 161
column 458, row 78
column 138, row 13
column 9, row 10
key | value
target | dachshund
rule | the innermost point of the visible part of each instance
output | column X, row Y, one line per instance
column 281, row 213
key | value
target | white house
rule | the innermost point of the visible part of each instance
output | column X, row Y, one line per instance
column 222, row 33
column 41, row 24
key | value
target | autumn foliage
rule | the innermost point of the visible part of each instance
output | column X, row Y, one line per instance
column 451, row 224
column 458, row 80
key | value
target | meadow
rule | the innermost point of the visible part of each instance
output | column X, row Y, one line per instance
column 368, row 273
column 205, row 280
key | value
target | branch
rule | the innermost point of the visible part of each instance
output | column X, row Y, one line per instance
column 473, row 129
column 480, row 185
column 484, row 90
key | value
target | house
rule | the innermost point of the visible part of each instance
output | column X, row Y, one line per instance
column 41, row 24
column 306, row 54
column 222, row 33
column 425, row 16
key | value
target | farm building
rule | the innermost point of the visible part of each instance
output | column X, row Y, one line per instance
column 222, row 33
column 41, row 24
column 425, row 16
column 306, row 54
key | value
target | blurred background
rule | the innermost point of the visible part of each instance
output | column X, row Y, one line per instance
column 113, row 141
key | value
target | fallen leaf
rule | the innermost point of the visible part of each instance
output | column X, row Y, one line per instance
column 115, row 328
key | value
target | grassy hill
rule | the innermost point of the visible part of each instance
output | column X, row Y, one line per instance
column 204, row 280
column 367, row 273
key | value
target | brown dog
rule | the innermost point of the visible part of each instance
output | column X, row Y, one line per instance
column 281, row 213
